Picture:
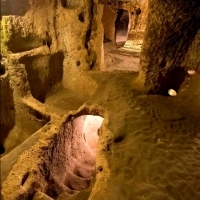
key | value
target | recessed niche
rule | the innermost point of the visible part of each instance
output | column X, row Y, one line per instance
column 63, row 3
column 44, row 74
column 118, row 139
column 78, row 63
column 81, row 17
column 25, row 177
column 71, row 4
column 138, row 11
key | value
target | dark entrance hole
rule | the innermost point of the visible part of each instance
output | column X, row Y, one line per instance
column 81, row 17
column 2, row 69
column 119, row 139
column 173, row 80
column 2, row 149
column 74, row 155
column 121, row 26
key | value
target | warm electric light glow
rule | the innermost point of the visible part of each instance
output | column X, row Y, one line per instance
column 90, row 130
column 172, row 92
column 191, row 72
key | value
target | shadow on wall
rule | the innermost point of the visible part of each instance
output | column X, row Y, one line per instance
column 7, row 111
column 172, row 41
column 44, row 74
column 14, row 7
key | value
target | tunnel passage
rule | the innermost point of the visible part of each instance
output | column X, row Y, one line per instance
column 74, row 157
column 81, row 150
column 121, row 26
column 2, row 149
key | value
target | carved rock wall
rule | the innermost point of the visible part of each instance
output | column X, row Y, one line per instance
column 70, row 28
column 192, row 58
column 171, row 29
column 108, row 20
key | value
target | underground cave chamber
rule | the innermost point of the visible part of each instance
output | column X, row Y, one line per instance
column 150, row 139
column 72, row 159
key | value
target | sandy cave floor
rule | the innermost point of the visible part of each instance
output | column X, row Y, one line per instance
column 156, row 149
column 120, row 59
column 64, row 101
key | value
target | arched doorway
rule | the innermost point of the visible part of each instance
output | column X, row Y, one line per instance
column 121, row 26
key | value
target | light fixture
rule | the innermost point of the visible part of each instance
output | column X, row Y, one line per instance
column 191, row 72
column 172, row 92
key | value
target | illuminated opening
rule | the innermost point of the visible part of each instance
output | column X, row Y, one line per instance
column 68, row 164
column 81, row 149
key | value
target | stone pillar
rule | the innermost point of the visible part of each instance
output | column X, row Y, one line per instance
column 108, row 20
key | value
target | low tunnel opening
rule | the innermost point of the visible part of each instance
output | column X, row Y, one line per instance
column 73, row 162
column 81, row 149
column 121, row 27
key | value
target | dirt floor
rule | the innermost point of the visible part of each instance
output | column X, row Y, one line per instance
column 149, row 147
column 155, row 154
column 120, row 58
column 64, row 101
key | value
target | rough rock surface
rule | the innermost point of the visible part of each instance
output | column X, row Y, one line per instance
column 108, row 20
column 148, row 145
column 171, row 29
column 48, row 46
column 146, row 149
column 65, row 27
column 192, row 58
